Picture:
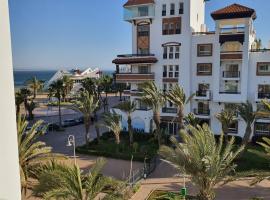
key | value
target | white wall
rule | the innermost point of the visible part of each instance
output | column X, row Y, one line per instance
column 9, row 167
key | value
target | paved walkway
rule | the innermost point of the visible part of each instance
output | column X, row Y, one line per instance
column 237, row 190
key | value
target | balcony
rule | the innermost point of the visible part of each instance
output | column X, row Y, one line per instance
column 232, row 30
column 203, row 95
column 202, row 113
column 135, row 59
column 134, row 77
column 139, row 12
column 231, row 75
column 169, row 110
column 231, row 55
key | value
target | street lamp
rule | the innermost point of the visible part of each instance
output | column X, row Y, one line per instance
column 71, row 142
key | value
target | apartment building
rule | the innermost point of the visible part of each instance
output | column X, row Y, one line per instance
column 171, row 45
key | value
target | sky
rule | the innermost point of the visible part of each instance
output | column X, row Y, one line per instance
column 65, row 34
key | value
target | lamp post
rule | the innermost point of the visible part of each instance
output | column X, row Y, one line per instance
column 71, row 142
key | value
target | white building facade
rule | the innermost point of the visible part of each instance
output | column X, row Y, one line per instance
column 171, row 45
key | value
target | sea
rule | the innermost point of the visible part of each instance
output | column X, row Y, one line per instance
column 22, row 76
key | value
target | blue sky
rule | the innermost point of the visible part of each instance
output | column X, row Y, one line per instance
column 53, row 34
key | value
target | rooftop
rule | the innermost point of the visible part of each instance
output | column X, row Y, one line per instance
column 234, row 11
column 138, row 2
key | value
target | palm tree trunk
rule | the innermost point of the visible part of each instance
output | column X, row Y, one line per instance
column 87, row 127
column 117, row 138
column 130, row 132
column 158, row 131
column 59, row 113
column 181, row 117
column 247, row 135
column 35, row 93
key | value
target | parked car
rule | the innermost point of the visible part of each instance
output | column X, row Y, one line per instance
column 70, row 122
column 53, row 127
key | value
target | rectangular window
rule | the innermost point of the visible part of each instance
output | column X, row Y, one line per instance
column 204, row 50
column 178, row 28
column 144, row 69
column 171, row 53
column 143, row 11
column 204, row 69
column 262, row 128
column 171, row 28
column 165, row 73
column 264, row 91
column 176, row 73
column 263, row 69
column 165, row 52
column 164, row 10
column 171, row 71
column 181, row 8
column 172, row 11
column 177, row 52
column 165, row 28
column 231, row 87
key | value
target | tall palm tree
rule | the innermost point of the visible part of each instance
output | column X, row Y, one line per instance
column 25, row 93
column 31, row 151
column 128, row 107
column 56, row 90
column 19, row 99
column 30, row 106
column 89, row 84
column 67, row 86
column 86, row 105
column 112, row 122
column 177, row 96
column 226, row 118
column 153, row 97
column 59, row 181
column 207, row 161
column 35, row 84
column 245, row 110
column 106, row 83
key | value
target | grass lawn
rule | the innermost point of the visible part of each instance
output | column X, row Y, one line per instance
column 252, row 162
column 144, row 145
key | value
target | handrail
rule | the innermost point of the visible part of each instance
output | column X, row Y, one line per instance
column 135, row 55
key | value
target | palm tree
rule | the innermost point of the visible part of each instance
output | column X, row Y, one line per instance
column 190, row 119
column 226, row 118
column 31, row 151
column 25, row 93
column 59, row 181
column 153, row 97
column 245, row 110
column 19, row 99
column 56, row 90
column 120, row 87
column 265, row 110
column 177, row 96
column 106, row 84
column 30, row 106
column 207, row 161
column 128, row 107
column 112, row 122
column 35, row 84
column 67, row 86
column 89, row 84
column 86, row 105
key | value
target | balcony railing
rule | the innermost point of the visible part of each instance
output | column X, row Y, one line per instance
column 231, row 74
column 135, row 55
column 264, row 95
column 204, row 112
column 139, row 12
column 169, row 110
column 232, row 30
column 230, row 92
column 202, row 93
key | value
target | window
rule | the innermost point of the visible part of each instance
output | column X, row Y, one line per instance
column 171, row 53
column 165, row 52
column 143, row 11
column 202, row 89
column 171, row 71
column 165, row 73
column 262, row 128
column 177, row 52
column 203, row 108
column 176, row 73
column 204, row 69
column 233, row 128
column 231, row 87
column 143, row 30
column 264, row 91
column 165, row 28
column 172, row 11
column 181, row 8
column 204, row 50
column 144, row 69
column 263, row 69
column 164, row 10
column 171, row 26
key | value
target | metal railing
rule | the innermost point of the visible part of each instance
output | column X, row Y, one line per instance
column 232, row 30
column 135, row 55
column 202, row 93
column 169, row 110
column 231, row 74
column 264, row 95
column 205, row 112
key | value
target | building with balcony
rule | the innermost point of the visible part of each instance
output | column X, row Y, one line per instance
column 171, row 45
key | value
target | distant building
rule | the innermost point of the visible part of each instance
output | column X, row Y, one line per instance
column 171, row 45
column 76, row 75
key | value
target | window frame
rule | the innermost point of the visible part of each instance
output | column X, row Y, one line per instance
column 172, row 9
column 201, row 73
column 199, row 53
column 164, row 11
column 259, row 64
